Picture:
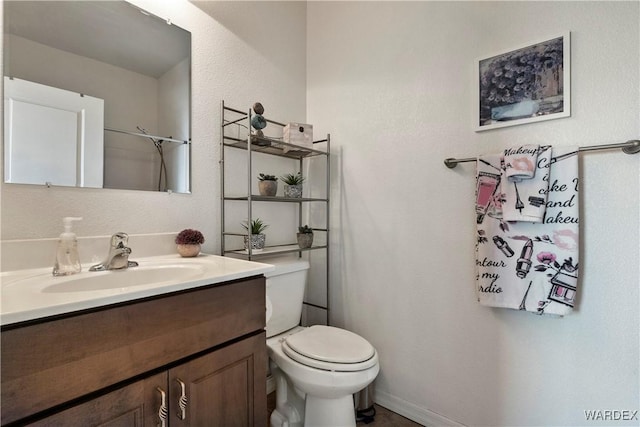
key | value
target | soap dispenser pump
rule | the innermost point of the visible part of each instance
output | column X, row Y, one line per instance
column 67, row 257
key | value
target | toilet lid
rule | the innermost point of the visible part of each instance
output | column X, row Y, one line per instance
column 329, row 344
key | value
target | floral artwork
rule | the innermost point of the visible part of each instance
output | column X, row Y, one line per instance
column 524, row 85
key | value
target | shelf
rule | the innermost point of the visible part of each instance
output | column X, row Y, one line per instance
column 273, row 147
column 236, row 133
column 258, row 198
column 274, row 250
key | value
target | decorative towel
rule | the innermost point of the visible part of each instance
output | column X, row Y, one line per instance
column 525, row 200
column 520, row 163
column 523, row 265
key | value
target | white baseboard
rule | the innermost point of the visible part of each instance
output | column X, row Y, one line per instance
column 412, row 411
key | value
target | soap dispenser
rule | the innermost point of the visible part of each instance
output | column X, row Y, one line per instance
column 67, row 257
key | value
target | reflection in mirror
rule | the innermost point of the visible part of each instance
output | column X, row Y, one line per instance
column 97, row 94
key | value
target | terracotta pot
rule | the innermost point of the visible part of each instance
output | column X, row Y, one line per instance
column 189, row 250
column 268, row 188
column 305, row 240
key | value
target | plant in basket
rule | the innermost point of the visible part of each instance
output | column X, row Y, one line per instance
column 293, row 185
column 267, row 184
column 255, row 229
column 305, row 237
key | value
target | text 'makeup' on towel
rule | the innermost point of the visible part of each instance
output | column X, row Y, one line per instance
column 520, row 162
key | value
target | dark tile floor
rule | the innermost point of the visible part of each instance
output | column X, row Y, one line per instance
column 387, row 418
column 383, row 416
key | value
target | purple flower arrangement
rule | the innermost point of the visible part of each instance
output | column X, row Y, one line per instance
column 189, row 237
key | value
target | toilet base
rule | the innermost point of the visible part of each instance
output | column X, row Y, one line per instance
column 294, row 408
column 320, row 412
column 290, row 403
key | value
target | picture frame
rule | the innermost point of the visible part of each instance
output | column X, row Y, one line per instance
column 530, row 83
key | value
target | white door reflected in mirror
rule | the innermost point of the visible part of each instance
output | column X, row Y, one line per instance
column 52, row 136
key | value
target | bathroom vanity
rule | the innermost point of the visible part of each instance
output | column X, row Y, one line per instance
column 188, row 357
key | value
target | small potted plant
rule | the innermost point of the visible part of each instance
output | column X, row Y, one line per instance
column 305, row 237
column 255, row 228
column 188, row 242
column 267, row 184
column 293, row 187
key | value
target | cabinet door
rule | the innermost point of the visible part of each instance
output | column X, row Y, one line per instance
column 135, row 405
column 225, row 388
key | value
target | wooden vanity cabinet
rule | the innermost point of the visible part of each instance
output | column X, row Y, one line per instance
column 218, row 387
column 109, row 367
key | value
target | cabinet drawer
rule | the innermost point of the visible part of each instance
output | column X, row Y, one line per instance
column 52, row 362
column 134, row 405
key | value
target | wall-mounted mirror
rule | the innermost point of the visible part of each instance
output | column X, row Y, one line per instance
column 97, row 94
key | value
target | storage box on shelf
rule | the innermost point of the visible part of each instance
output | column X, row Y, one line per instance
column 300, row 134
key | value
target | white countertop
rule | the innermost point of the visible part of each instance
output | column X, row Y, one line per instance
column 36, row 293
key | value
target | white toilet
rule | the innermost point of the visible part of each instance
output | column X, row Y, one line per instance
column 316, row 369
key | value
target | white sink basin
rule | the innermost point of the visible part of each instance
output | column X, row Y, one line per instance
column 31, row 294
column 134, row 276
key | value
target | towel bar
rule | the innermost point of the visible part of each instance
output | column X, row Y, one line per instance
column 629, row 147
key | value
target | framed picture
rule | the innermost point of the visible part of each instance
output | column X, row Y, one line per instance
column 529, row 84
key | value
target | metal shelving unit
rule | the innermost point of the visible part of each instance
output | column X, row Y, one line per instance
column 275, row 147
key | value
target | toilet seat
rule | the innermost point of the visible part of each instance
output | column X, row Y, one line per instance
column 329, row 348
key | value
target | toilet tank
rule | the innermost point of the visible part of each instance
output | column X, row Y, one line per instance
column 285, row 293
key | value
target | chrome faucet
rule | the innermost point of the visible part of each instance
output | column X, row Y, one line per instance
column 118, row 257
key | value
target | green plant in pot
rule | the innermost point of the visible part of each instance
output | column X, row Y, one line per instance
column 255, row 229
column 305, row 237
column 189, row 242
column 293, row 185
column 267, row 184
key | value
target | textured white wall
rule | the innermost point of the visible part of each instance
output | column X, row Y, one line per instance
column 242, row 52
column 394, row 84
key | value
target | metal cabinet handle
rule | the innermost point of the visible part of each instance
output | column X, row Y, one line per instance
column 182, row 402
column 163, row 412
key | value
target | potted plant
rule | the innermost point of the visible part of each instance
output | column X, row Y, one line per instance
column 188, row 242
column 305, row 237
column 255, row 229
column 267, row 184
column 293, row 187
